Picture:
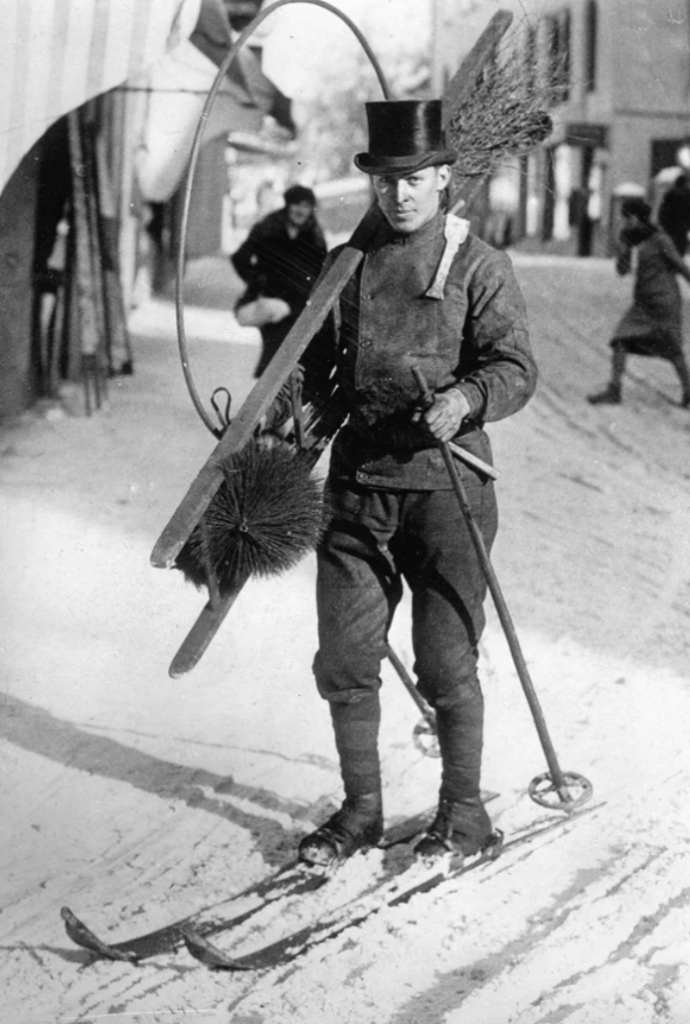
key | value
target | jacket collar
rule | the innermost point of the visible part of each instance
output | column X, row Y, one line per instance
column 386, row 235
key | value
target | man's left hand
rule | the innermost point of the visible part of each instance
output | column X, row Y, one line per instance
column 444, row 418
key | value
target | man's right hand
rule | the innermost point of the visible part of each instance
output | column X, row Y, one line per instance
column 445, row 416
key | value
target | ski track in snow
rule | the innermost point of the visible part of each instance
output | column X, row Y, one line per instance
column 137, row 800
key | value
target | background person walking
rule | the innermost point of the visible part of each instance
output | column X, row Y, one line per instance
column 280, row 259
column 653, row 324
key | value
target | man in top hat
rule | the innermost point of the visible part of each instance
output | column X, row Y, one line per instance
column 429, row 294
column 280, row 260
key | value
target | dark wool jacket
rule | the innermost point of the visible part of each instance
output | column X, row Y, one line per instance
column 277, row 266
column 473, row 338
column 653, row 325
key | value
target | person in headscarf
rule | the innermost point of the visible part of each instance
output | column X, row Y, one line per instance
column 652, row 326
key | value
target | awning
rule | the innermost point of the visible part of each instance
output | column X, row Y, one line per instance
column 57, row 54
column 175, row 90
column 213, row 37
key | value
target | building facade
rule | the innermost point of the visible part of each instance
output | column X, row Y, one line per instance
column 615, row 76
column 94, row 150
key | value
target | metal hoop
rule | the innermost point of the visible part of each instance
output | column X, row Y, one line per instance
column 196, row 146
column 425, row 738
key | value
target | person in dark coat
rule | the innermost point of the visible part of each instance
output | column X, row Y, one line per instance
column 427, row 293
column 653, row 324
column 280, row 259
column 674, row 213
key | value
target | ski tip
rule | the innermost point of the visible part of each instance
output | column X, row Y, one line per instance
column 84, row 937
column 208, row 954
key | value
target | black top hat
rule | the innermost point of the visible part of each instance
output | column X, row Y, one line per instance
column 404, row 136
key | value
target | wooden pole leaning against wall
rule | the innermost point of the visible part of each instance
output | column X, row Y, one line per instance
column 119, row 349
column 86, row 291
column 89, row 135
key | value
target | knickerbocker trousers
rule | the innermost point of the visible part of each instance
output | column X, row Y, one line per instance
column 376, row 540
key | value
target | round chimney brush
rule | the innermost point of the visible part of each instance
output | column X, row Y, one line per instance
column 266, row 515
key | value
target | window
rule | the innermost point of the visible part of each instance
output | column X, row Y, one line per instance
column 558, row 56
column 531, row 56
column 591, row 19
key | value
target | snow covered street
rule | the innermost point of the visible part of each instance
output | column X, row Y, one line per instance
column 136, row 799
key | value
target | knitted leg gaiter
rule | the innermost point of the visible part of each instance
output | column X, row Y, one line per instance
column 356, row 728
column 460, row 738
column 460, row 733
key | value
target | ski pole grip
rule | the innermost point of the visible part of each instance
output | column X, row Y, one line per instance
column 473, row 460
column 427, row 397
column 456, row 449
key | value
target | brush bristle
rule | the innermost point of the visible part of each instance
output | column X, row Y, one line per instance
column 506, row 113
column 267, row 514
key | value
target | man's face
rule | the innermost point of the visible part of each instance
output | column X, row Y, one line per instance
column 408, row 201
column 299, row 213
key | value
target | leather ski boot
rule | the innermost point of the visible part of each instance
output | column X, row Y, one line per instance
column 610, row 396
column 461, row 825
column 357, row 825
column 462, row 828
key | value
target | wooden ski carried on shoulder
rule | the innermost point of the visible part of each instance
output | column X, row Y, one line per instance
column 239, row 433
column 264, row 392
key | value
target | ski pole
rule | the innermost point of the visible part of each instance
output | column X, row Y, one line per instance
column 408, row 683
column 425, row 734
column 554, row 780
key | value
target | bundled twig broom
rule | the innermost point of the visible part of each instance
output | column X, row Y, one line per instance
column 504, row 116
column 267, row 514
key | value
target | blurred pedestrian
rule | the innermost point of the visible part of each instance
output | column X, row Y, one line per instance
column 653, row 324
column 674, row 212
column 279, row 260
